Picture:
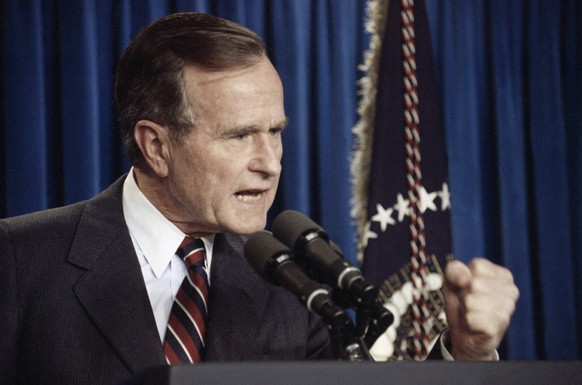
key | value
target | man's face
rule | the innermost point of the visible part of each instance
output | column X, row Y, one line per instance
column 224, row 175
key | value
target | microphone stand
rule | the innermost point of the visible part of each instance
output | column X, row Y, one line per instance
column 372, row 320
column 380, row 321
column 345, row 344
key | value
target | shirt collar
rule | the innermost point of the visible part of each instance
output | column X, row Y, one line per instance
column 156, row 236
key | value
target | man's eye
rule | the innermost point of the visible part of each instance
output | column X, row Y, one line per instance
column 275, row 131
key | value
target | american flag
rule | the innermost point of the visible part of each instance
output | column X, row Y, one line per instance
column 399, row 69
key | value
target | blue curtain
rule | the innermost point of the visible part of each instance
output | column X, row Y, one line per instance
column 511, row 84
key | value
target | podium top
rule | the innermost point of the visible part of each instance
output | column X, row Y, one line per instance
column 365, row 373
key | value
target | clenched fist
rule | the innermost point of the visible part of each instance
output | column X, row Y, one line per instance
column 479, row 300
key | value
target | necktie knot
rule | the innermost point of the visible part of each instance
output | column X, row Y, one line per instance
column 192, row 251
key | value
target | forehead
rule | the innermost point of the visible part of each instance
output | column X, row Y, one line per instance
column 258, row 80
column 244, row 96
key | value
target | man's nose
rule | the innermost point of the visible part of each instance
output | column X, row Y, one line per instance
column 267, row 159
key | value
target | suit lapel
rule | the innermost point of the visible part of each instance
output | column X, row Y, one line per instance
column 112, row 290
column 238, row 298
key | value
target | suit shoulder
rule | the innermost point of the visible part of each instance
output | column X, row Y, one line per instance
column 58, row 219
column 43, row 220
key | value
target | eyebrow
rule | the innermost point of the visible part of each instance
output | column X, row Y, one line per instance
column 254, row 128
column 282, row 124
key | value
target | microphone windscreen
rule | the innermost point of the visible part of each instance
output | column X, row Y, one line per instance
column 260, row 249
column 290, row 225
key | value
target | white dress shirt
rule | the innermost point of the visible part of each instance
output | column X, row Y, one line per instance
column 156, row 240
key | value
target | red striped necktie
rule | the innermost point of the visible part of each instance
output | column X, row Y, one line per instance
column 184, row 340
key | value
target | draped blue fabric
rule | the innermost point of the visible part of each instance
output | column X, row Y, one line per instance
column 510, row 74
column 511, row 81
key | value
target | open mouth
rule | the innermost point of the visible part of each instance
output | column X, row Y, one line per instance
column 249, row 196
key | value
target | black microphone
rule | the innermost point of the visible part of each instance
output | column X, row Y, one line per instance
column 308, row 240
column 274, row 262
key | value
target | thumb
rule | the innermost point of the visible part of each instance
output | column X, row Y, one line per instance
column 457, row 276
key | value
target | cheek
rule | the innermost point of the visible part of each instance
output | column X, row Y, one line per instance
column 194, row 178
column 221, row 177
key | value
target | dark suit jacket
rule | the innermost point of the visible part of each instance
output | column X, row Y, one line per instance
column 74, row 308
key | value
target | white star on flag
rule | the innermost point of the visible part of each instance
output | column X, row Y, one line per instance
column 427, row 200
column 383, row 216
column 368, row 234
column 403, row 207
column 445, row 195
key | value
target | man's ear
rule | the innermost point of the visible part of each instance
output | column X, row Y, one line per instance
column 153, row 141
